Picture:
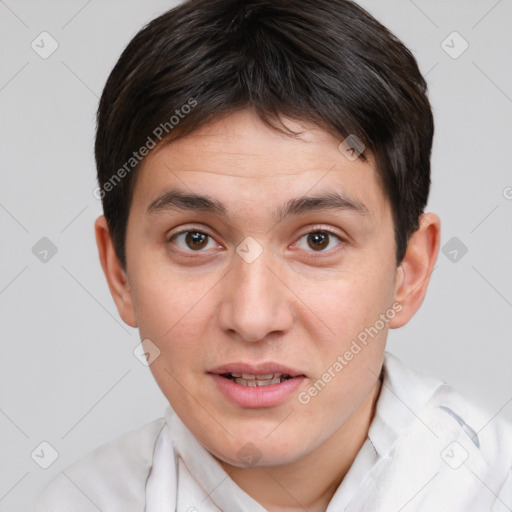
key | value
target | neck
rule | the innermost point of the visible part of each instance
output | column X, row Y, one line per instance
column 283, row 488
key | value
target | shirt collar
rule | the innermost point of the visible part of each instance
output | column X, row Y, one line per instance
column 403, row 395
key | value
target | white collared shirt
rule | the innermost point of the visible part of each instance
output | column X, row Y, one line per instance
column 427, row 450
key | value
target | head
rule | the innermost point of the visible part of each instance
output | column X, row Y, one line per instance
column 264, row 168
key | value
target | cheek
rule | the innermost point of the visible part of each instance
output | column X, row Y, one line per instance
column 352, row 351
column 350, row 356
column 165, row 301
column 348, row 304
column 173, row 316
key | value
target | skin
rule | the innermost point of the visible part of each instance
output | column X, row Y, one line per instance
column 297, row 304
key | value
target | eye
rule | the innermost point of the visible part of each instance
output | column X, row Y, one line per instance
column 318, row 241
column 193, row 241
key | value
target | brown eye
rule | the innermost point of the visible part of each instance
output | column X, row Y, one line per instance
column 192, row 241
column 318, row 241
column 196, row 240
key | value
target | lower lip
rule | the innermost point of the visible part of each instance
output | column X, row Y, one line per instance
column 254, row 397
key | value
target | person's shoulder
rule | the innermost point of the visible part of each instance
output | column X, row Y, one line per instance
column 446, row 407
column 430, row 437
column 111, row 477
column 480, row 429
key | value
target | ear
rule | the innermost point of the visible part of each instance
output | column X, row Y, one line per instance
column 114, row 272
column 413, row 273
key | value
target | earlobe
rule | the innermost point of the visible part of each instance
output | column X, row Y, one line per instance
column 413, row 274
column 114, row 272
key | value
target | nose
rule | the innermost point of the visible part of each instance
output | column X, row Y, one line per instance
column 256, row 302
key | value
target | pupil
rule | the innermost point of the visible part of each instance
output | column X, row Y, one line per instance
column 318, row 240
column 196, row 240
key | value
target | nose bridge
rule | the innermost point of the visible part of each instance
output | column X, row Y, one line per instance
column 256, row 302
column 255, row 281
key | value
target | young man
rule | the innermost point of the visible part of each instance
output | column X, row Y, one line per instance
column 264, row 168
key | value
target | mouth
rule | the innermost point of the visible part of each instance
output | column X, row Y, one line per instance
column 257, row 386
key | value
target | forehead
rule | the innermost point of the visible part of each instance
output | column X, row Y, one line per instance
column 238, row 159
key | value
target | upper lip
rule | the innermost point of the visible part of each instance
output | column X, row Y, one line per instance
column 256, row 369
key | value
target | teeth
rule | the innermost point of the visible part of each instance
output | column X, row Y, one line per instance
column 265, row 377
column 252, row 383
column 259, row 380
column 249, row 376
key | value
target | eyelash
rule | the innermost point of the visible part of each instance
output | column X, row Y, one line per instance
column 312, row 230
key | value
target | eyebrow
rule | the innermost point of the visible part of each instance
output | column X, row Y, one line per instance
column 182, row 201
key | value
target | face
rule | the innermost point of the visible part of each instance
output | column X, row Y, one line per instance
column 251, row 253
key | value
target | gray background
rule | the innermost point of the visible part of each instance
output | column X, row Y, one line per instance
column 68, row 375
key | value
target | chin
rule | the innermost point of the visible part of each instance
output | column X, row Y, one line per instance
column 247, row 452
